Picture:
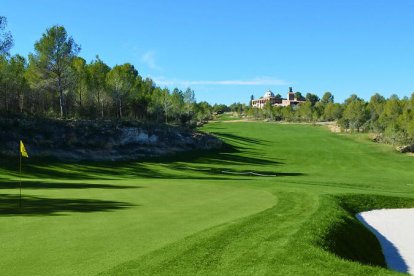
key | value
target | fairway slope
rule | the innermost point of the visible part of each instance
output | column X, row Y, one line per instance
column 204, row 212
column 321, row 232
column 249, row 245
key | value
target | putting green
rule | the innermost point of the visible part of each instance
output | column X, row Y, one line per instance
column 203, row 212
column 83, row 242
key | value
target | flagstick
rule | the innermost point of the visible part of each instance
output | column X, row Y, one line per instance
column 20, row 177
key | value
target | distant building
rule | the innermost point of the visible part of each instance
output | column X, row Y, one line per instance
column 277, row 101
column 267, row 97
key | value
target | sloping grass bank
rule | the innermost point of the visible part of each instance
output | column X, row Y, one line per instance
column 184, row 215
column 322, row 240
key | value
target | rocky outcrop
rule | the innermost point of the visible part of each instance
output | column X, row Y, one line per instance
column 406, row 149
column 99, row 140
column 376, row 137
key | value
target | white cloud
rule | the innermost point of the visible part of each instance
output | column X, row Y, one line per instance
column 256, row 81
column 149, row 59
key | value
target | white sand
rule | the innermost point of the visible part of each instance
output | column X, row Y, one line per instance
column 394, row 229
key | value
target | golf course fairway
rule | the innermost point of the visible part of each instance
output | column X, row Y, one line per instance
column 278, row 199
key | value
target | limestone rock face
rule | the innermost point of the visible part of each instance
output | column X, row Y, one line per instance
column 133, row 135
column 99, row 140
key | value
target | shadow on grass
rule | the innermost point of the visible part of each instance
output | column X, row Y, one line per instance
column 243, row 140
column 233, row 154
column 39, row 206
column 50, row 185
column 225, row 171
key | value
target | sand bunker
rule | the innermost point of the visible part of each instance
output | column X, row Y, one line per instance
column 394, row 229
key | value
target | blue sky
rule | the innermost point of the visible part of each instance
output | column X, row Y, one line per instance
column 228, row 50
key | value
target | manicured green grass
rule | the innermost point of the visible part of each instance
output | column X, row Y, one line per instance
column 204, row 212
column 227, row 116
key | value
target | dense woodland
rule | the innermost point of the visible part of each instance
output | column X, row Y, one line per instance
column 55, row 82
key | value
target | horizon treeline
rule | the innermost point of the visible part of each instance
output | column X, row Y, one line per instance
column 55, row 82
column 391, row 118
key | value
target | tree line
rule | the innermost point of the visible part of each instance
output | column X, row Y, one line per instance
column 55, row 82
column 391, row 118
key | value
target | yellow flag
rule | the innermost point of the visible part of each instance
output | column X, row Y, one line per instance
column 23, row 151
